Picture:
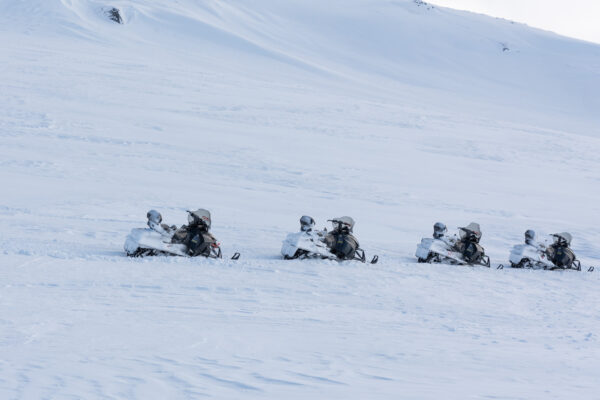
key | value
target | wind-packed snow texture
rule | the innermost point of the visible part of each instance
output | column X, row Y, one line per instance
column 396, row 113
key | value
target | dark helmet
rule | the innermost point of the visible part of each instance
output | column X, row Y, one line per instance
column 439, row 229
column 154, row 217
column 529, row 236
column 199, row 217
column 307, row 223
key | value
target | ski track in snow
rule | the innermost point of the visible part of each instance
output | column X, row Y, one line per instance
column 262, row 115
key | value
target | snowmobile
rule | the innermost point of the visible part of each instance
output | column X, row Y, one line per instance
column 461, row 250
column 536, row 255
column 188, row 241
column 337, row 245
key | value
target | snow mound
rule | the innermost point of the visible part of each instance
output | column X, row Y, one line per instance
column 394, row 40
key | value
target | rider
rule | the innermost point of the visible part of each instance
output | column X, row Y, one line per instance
column 307, row 223
column 559, row 252
column 530, row 237
column 530, row 240
column 196, row 234
column 154, row 222
column 439, row 230
column 468, row 245
column 439, row 233
column 340, row 240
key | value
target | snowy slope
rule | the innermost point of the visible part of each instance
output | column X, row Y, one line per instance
column 395, row 113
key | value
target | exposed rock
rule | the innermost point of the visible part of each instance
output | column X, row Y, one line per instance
column 115, row 15
column 422, row 3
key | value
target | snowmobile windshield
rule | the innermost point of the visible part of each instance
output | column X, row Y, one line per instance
column 473, row 227
column 466, row 234
column 200, row 216
column 563, row 237
column 343, row 223
column 471, row 232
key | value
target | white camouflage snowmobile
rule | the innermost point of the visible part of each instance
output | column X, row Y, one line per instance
column 535, row 255
column 188, row 241
column 338, row 244
column 454, row 250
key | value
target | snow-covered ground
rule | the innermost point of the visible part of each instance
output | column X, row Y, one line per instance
column 395, row 113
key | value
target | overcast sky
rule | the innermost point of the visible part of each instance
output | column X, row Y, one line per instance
column 575, row 18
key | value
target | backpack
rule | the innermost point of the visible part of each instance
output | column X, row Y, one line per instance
column 344, row 246
column 199, row 243
column 473, row 252
column 563, row 257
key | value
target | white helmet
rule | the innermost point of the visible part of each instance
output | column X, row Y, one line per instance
column 529, row 235
column 439, row 229
column 307, row 223
column 154, row 217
